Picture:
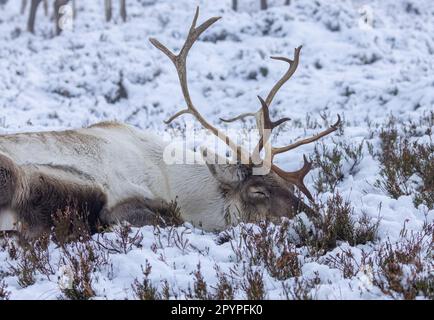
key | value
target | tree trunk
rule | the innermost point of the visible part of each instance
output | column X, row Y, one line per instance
column 124, row 10
column 287, row 2
column 108, row 10
column 46, row 7
column 264, row 5
column 235, row 5
column 74, row 10
column 32, row 16
column 57, row 5
column 23, row 6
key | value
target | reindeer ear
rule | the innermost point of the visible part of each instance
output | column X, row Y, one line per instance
column 228, row 174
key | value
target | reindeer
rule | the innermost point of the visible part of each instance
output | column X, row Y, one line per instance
column 116, row 172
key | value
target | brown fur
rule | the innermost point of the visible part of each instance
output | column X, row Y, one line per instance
column 137, row 211
column 9, row 173
column 45, row 195
column 276, row 198
column 107, row 124
column 40, row 195
column 36, row 192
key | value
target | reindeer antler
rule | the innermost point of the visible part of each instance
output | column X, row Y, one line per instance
column 293, row 64
column 264, row 122
column 180, row 62
column 296, row 177
column 265, row 127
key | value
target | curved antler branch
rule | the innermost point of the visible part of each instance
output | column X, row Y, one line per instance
column 265, row 129
column 180, row 63
column 241, row 116
column 314, row 138
column 176, row 115
column 297, row 177
column 293, row 64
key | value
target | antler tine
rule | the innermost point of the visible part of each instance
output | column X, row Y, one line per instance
column 316, row 137
column 239, row 117
column 180, row 62
column 297, row 177
column 293, row 64
column 193, row 35
column 267, row 127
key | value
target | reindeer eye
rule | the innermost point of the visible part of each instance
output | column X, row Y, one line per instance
column 259, row 194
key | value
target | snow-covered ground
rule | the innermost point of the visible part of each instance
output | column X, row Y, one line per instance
column 366, row 60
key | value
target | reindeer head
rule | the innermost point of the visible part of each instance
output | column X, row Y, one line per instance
column 254, row 187
column 251, row 198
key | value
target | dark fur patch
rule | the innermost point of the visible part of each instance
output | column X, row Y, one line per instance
column 48, row 194
column 8, row 181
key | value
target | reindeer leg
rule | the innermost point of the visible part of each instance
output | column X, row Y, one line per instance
column 137, row 211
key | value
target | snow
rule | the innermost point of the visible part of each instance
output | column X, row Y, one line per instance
column 361, row 71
